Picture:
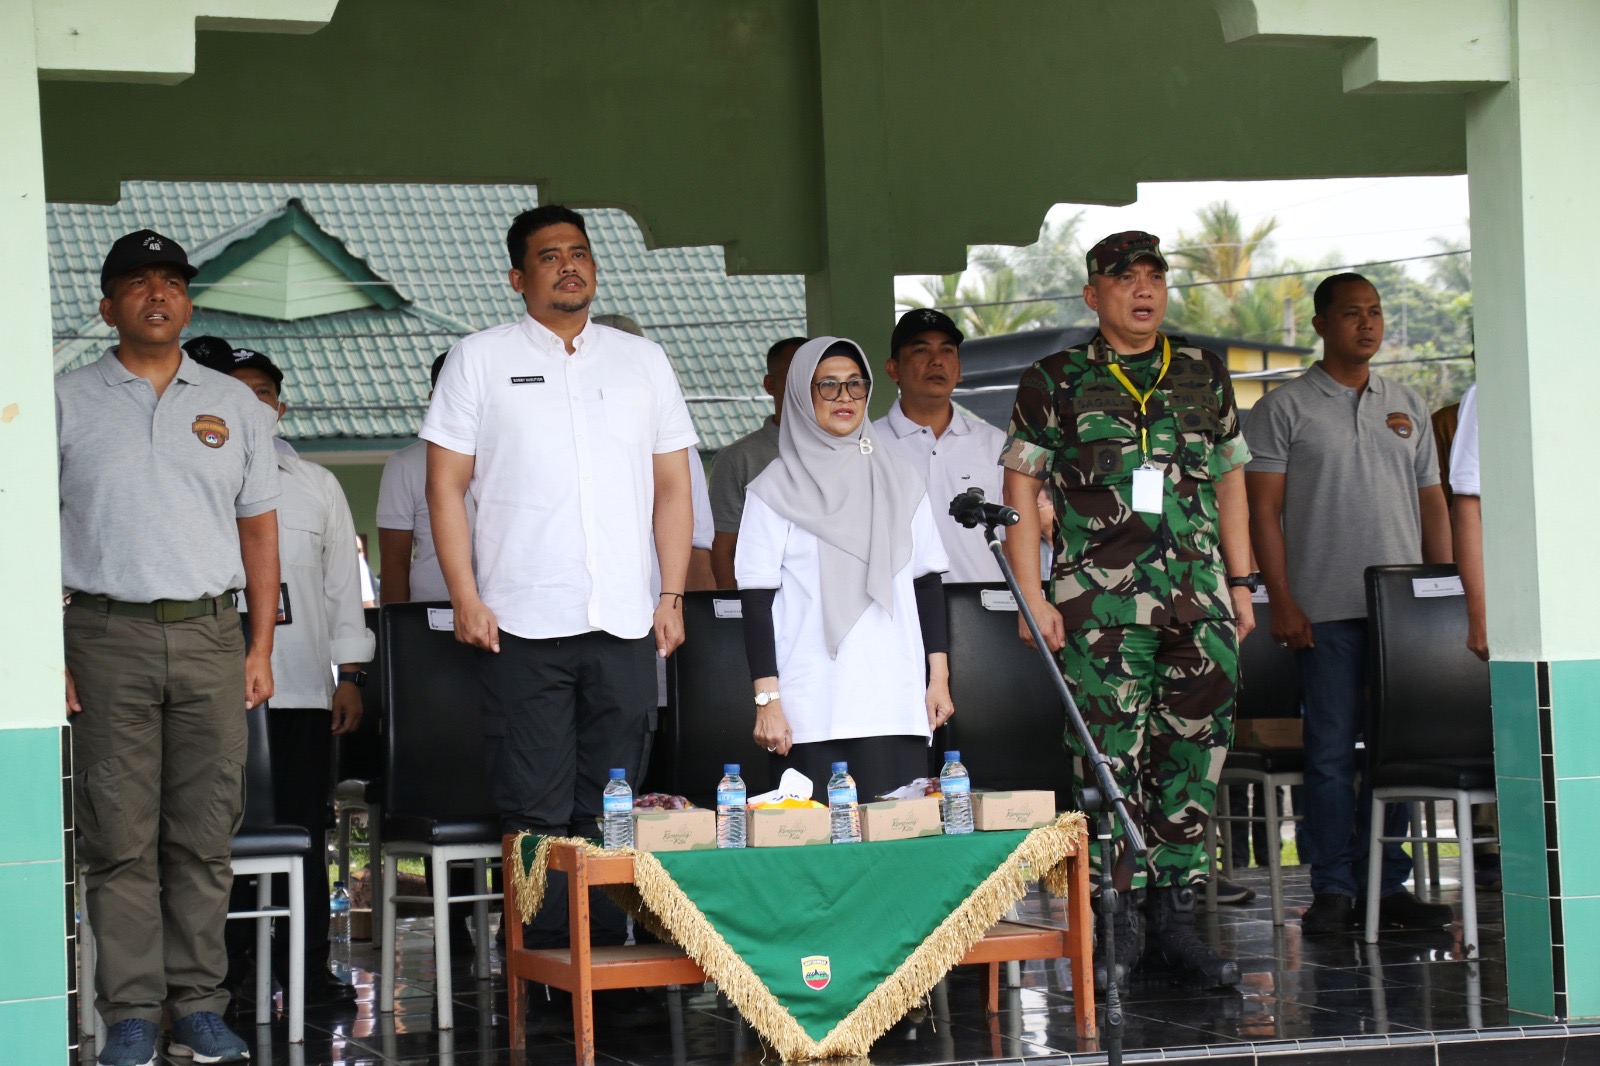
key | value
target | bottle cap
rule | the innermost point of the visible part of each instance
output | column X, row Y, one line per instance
column 952, row 756
column 338, row 884
column 841, row 767
column 731, row 769
column 618, row 774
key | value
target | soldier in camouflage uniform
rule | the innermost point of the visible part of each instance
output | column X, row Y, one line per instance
column 1139, row 438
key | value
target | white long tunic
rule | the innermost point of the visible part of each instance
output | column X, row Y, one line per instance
column 877, row 685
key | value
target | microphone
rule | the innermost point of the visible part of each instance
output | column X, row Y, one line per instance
column 970, row 508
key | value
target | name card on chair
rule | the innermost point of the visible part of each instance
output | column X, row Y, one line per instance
column 442, row 618
column 727, row 608
column 997, row 600
column 1426, row 587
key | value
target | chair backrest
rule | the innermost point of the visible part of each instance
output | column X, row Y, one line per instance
column 1430, row 694
column 431, row 721
column 259, row 802
column 359, row 756
column 1269, row 681
column 709, row 714
column 1009, row 721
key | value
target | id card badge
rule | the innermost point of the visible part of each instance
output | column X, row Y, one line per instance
column 1147, row 482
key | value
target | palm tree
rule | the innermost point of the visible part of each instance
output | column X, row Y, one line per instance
column 989, row 308
column 1220, row 252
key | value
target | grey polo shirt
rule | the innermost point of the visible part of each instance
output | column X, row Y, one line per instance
column 734, row 468
column 1353, row 464
column 151, row 490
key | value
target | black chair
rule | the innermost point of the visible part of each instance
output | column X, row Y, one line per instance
column 437, row 802
column 709, row 714
column 1269, row 687
column 261, row 848
column 358, row 766
column 1431, row 736
column 1009, row 722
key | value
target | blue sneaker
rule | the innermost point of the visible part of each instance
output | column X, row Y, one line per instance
column 206, row 1038
column 131, row 1042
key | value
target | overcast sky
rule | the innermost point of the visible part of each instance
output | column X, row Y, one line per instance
column 1359, row 219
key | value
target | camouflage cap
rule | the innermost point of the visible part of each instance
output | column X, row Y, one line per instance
column 1116, row 253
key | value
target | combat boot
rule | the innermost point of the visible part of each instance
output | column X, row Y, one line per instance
column 1127, row 924
column 1173, row 936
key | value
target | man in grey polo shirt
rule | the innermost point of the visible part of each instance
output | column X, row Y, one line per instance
column 169, row 486
column 738, row 464
column 1344, row 476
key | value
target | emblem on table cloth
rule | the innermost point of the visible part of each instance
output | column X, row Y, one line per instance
column 817, row 971
column 1400, row 422
column 211, row 430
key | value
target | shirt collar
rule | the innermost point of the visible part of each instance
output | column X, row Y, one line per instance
column 903, row 426
column 114, row 373
column 548, row 340
column 1329, row 387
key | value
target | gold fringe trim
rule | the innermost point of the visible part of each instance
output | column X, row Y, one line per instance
column 658, row 900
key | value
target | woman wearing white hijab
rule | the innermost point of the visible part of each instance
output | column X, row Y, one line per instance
column 838, row 564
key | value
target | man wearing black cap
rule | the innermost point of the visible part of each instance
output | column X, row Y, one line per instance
column 168, row 491
column 319, row 625
column 1139, row 438
column 955, row 453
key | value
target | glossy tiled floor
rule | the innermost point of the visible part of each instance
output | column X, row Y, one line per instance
column 1337, row 996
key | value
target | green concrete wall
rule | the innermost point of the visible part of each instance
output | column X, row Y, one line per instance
column 360, row 484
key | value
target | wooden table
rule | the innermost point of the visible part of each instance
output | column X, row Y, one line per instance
column 585, row 969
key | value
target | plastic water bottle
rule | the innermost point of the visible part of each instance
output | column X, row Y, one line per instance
column 844, row 816
column 730, row 808
column 956, row 788
column 617, row 804
column 339, row 914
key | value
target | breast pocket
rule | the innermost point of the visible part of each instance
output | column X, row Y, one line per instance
column 300, row 532
column 628, row 412
column 1108, row 449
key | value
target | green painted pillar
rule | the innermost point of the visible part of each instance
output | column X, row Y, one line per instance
column 1532, row 146
column 852, row 295
column 33, row 981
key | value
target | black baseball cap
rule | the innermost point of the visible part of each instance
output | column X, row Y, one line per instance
column 142, row 248
column 240, row 359
column 920, row 321
column 208, row 350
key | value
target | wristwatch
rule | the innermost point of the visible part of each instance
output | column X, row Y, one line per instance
column 357, row 678
column 1248, row 581
column 764, row 698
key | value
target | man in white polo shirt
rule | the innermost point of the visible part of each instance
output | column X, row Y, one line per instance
column 572, row 438
column 1344, row 476
column 955, row 453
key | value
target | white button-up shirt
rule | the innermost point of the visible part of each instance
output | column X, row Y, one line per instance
column 966, row 456
column 563, row 476
column 403, row 505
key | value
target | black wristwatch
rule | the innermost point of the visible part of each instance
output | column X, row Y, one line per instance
column 357, row 678
column 1248, row 581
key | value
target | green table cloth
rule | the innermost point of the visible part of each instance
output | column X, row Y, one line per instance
column 823, row 948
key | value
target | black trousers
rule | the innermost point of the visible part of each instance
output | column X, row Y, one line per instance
column 558, row 714
column 302, row 770
column 878, row 764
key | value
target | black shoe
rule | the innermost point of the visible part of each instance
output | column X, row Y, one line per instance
column 324, row 988
column 1486, row 870
column 1233, row 892
column 1329, row 913
column 1173, row 936
column 1405, row 911
column 1128, row 932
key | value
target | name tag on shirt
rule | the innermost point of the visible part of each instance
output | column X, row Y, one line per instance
column 1147, row 482
column 535, row 379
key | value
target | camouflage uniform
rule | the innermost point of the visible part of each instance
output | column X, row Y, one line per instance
column 1150, row 646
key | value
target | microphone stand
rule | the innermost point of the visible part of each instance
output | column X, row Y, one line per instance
column 1104, row 800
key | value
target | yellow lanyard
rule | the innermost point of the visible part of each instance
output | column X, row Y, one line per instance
column 1144, row 429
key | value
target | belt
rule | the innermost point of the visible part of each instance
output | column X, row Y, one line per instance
column 160, row 610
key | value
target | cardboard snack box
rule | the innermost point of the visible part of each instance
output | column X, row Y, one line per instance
column 901, row 819
column 1267, row 733
column 686, row 830
column 1012, row 810
column 787, row 827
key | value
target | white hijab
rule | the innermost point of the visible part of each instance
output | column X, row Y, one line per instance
column 857, row 500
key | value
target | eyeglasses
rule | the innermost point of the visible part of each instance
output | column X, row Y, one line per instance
column 829, row 389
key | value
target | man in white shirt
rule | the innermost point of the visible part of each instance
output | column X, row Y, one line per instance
column 955, row 453
column 1466, row 521
column 320, row 623
column 410, row 566
column 573, row 438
